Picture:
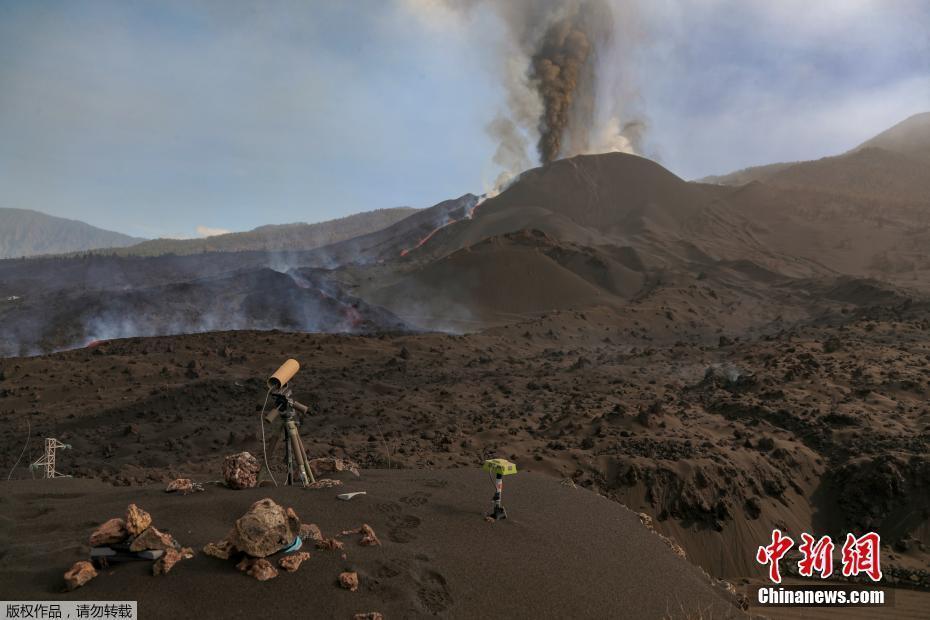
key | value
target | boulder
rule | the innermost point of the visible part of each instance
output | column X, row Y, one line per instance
column 292, row 562
column 166, row 562
column 79, row 574
column 331, row 465
column 349, row 581
column 137, row 520
column 154, row 540
column 371, row 615
column 265, row 529
column 241, row 470
column 262, row 570
column 111, row 532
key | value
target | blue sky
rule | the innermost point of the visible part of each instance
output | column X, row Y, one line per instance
column 156, row 118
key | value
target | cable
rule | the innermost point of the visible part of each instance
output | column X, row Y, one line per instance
column 261, row 422
column 28, row 436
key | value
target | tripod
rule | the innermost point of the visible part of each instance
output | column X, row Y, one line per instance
column 295, row 455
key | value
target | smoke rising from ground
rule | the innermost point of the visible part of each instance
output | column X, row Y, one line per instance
column 562, row 67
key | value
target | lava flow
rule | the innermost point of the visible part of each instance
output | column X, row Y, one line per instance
column 469, row 214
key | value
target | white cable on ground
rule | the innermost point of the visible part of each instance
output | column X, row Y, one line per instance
column 28, row 436
column 261, row 422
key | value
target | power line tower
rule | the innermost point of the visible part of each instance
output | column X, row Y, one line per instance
column 48, row 459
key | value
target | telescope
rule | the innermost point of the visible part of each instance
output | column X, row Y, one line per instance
column 286, row 408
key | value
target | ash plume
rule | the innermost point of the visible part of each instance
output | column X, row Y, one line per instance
column 562, row 71
column 562, row 68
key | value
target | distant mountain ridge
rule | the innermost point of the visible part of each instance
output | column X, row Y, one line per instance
column 283, row 237
column 892, row 164
column 30, row 233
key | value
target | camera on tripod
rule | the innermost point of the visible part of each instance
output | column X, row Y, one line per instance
column 286, row 409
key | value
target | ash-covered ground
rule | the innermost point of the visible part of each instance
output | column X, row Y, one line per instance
column 819, row 428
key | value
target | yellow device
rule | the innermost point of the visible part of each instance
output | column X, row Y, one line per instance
column 500, row 468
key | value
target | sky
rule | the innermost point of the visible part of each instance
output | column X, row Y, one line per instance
column 184, row 118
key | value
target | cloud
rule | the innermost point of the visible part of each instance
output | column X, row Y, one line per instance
column 206, row 231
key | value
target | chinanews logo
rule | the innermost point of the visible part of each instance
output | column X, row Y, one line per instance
column 859, row 556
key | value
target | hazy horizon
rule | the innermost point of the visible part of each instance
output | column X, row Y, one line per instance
column 175, row 119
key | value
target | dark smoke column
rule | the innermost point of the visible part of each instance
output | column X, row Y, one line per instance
column 562, row 72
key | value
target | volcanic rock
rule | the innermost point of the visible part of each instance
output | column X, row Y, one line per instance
column 241, row 470
column 369, row 539
column 265, row 529
column 291, row 563
column 137, row 520
column 183, row 486
column 79, row 574
column 171, row 557
column 262, row 570
column 113, row 531
column 349, row 581
column 310, row 531
column 331, row 465
column 329, row 543
column 324, row 483
column 221, row 549
column 152, row 539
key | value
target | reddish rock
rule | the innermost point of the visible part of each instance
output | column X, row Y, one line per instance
column 137, row 520
column 262, row 570
column 329, row 543
column 79, row 574
column 113, row 531
column 292, row 562
column 166, row 562
column 221, row 549
column 241, row 471
column 349, row 581
column 152, row 539
column 310, row 531
column 265, row 529
column 369, row 539
column 180, row 485
column 324, row 483
column 330, row 465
